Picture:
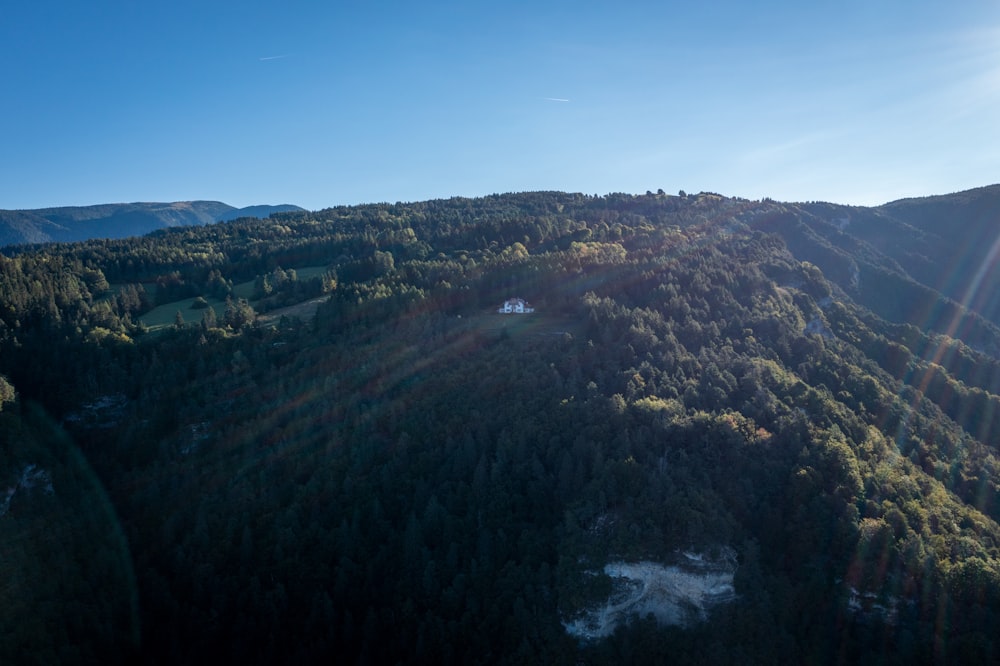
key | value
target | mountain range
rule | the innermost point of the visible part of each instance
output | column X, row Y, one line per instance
column 75, row 223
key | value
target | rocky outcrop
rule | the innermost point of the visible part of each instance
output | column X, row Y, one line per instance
column 675, row 594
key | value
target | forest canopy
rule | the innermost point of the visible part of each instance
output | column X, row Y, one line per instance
column 313, row 437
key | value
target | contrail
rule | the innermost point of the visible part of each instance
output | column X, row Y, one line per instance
column 277, row 57
column 555, row 99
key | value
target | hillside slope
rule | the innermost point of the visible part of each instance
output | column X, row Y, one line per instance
column 719, row 416
column 946, row 243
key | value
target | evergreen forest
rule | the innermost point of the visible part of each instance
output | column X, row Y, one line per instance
column 313, row 439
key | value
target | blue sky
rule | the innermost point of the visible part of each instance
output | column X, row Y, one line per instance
column 327, row 103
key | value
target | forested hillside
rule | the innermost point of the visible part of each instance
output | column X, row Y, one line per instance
column 337, row 450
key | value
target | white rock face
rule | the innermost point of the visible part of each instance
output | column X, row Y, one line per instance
column 674, row 595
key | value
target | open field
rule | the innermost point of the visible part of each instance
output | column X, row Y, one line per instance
column 535, row 323
column 303, row 310
column 517, row 326
column 164, row 315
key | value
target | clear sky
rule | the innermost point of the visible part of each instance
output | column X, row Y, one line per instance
column 326, row 103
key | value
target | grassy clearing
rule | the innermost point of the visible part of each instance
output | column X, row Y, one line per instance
column 303, row 310
column 536, row 323
column 243, row 290
column 163, row 316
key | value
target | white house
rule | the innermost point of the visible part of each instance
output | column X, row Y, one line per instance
column 515, row 306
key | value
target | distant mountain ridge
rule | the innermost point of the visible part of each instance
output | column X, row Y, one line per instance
column 75, row 223
column 923, row 248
